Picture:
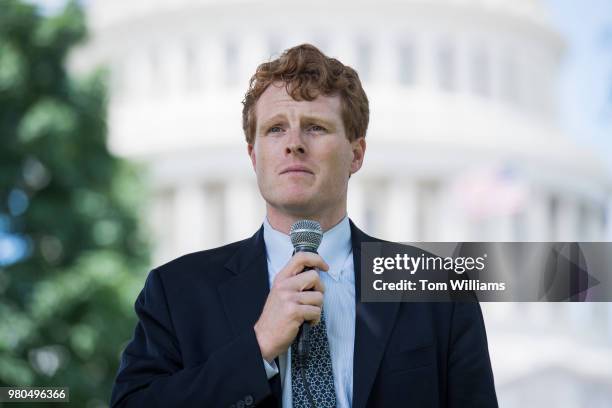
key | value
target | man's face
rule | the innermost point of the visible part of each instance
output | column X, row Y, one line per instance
column 301, row 154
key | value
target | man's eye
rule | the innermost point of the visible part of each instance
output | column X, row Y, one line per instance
column 275, row 129
column 317, row 128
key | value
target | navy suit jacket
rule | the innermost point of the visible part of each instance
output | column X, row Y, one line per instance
column 195, row 346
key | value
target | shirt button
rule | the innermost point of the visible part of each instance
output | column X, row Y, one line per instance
column 248, row 400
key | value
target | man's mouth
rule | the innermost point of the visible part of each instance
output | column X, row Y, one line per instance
column 296, row 169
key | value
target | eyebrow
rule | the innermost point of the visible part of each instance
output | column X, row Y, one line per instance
column 308, row 119
column 317, row 119
column 269, row 122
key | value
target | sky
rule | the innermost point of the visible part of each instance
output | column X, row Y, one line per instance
column 586, row 72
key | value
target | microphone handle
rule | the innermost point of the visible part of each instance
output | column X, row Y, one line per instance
column 304, row 332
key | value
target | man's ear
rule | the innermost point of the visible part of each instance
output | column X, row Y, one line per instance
column 251, row 152
column 358, row 146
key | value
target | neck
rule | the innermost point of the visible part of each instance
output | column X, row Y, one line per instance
column 282, row 220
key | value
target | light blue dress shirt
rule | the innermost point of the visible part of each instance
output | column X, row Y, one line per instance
column 338, row 303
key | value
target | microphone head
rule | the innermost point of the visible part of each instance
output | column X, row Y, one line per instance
column 306, row 235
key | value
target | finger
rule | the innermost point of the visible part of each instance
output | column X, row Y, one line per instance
column 310, row 297
column 310, row 313
column 302, row 260
column 305, row 281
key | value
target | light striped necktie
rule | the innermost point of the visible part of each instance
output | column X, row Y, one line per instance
column 316, row 370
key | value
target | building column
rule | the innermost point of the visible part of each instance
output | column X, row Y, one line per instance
column 567, row 220
column 537, row 218
column 501, row 228
column 607, row 227
column 162, row 204
column 594, row 229
column 252, row 52
column 426, row 60
column 356, row 204
column 215, row 74
column 399, row 214
column 384, row 48
column 428, row 209
column 190, row 218
column 244, row 209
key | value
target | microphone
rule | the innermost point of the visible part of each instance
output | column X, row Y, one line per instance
column 306, row 236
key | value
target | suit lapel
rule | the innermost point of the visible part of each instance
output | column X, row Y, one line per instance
column 245, row 293
column 373, row 324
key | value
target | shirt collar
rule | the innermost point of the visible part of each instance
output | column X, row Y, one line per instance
column 334, row 249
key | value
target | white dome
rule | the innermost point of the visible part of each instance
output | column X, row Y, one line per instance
column 453, row 84
column 109, row 12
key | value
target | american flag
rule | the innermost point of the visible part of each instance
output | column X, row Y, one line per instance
column 490, row 191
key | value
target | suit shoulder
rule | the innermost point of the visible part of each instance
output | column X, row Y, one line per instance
column 209, row 259
column 360, row 236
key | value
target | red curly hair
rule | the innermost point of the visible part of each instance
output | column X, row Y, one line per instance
column 308, row 73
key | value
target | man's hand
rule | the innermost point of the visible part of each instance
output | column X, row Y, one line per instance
column 290, row 303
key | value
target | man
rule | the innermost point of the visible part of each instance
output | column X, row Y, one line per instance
column 218, row 328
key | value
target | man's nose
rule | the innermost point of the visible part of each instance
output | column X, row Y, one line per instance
column 295, row 143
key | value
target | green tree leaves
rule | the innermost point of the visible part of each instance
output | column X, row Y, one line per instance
column 69, row 212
